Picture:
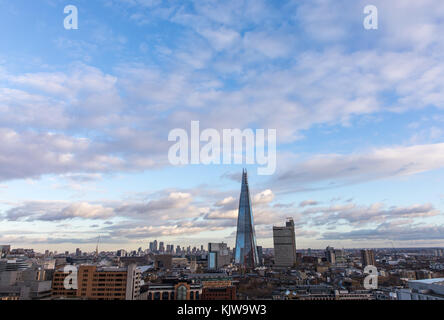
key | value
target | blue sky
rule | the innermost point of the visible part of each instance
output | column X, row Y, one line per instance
column 85, row 116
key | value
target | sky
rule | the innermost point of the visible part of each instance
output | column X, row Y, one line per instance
column 85, row 116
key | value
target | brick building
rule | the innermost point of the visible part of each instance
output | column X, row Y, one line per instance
column 99, row 283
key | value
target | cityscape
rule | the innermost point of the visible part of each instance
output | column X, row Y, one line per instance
column 217, row 272
column 218, row 158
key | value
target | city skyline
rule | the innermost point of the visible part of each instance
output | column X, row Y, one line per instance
column 85, row 117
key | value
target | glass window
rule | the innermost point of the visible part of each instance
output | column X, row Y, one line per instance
column 182, row 293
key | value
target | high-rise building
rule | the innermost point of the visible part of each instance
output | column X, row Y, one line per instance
column 218, row 255
column 284, row 240
column 330, row 254
column 161, row 247
column 368, row 258
column 439, row 252
column 246, row 248
column 155, row 245
column 339, row 256
column 121, row 253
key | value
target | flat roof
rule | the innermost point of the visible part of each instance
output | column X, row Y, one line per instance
column 428, row 281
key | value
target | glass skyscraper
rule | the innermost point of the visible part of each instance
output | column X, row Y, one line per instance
column 246, row 250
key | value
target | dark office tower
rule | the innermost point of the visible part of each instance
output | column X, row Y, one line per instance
column 368, row 258
column 330, row 254
column 246, row 249
column 155, row 245
column 161, row 247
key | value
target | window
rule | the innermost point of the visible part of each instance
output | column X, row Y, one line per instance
column 182, row 293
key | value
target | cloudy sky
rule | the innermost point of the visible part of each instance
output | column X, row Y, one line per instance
column 85, row 116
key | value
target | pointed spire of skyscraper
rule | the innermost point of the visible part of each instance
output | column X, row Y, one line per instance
column 246, row 249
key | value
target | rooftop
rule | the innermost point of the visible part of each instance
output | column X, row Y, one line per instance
column 428, row 281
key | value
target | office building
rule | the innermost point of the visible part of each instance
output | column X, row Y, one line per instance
column 161, row 247
column 163, row 261
column 155, row 245
column 368, row 258
column 218, row 255
column 121, row 253
column 330, row 255
column 100, row 283
column 284, row 240
column 246, row 247
column 18, row 283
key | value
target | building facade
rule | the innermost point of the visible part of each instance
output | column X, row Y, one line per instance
column 246, row 249
column 427, row 289
column 99, row 283
column 218, row 256
column 284, row 241
column 330, row 255
column 182, row 290
column 219, row 293
column 368, row 258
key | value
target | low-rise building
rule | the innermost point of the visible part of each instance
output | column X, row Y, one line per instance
column 426, row 289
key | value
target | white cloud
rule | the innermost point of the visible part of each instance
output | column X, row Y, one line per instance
column 263, row 197
column 359, row 167
column 57, row 210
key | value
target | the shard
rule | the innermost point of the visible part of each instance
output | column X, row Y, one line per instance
column 246, row 253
